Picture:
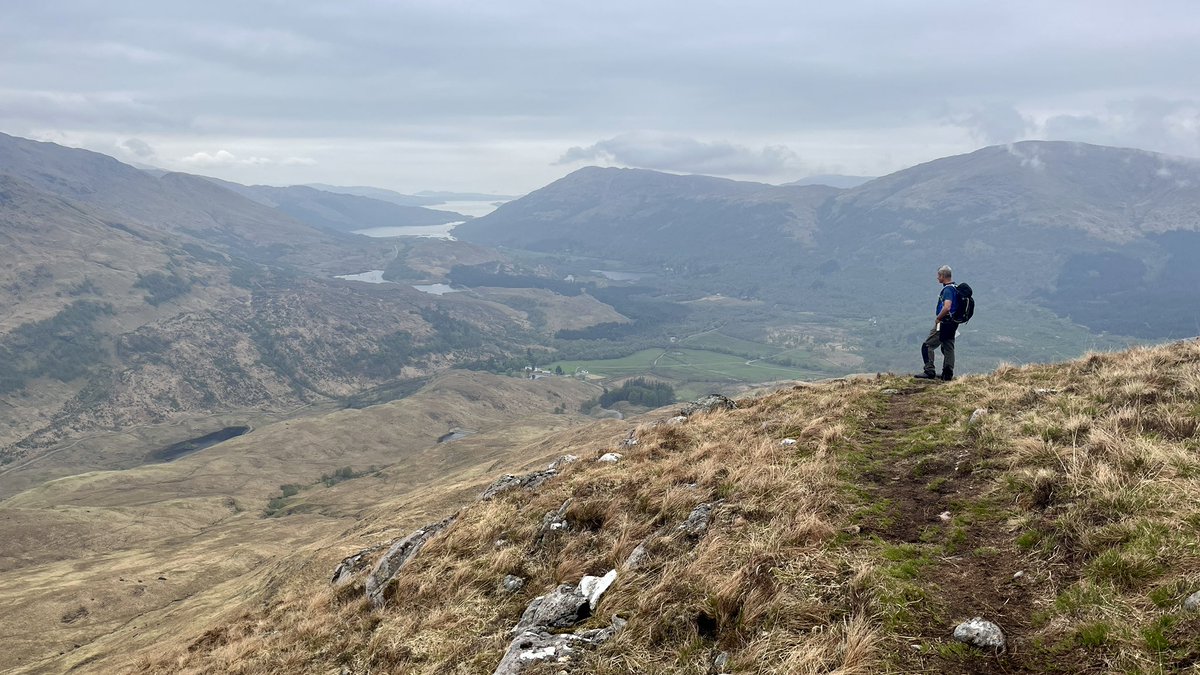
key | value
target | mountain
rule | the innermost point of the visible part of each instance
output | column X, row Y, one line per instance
column 445, row 196
column 833, row 180
column 378, row 193
column 651, row 218
column 135, row 302
column 823, row 527
column 340, row 212
column 1089, row 233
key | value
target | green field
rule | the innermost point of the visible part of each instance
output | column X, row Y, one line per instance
column 689, row 365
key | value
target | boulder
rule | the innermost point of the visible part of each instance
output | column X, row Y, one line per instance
column 707, row 404
column 637, row 558
column 535, row 646
column 610, row 457
column 566, row 605
column 981, row 633
column 510, row 482
column 398, row 556
column 678, row 419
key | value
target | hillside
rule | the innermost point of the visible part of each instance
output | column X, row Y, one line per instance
column 339, row 212
column 844, row 526
column 1089, row 233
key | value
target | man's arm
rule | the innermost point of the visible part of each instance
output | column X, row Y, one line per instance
column 944, row 313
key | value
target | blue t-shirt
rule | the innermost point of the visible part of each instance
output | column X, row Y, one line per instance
column 948, row 293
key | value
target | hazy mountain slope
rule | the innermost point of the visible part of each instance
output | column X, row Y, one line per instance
column 892, row 517
column 340, row 212
column 839, row 181
column 378, row 193
column 650, row 218
column 177, row 203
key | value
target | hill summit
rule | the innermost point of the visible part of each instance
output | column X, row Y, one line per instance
column 852, row 526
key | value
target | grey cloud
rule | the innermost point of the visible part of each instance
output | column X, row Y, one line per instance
column 1164, row 125
column 996, row 124
column 683, row 154
column 137, row 147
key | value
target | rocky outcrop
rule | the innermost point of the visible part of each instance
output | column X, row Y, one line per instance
column 697, row 521
column 510, row 482
column 564, row 607
column 554, row 522
column 532, row 647
column 397, row 557
column 351, row 564
column 707, row 404
column 610, row 458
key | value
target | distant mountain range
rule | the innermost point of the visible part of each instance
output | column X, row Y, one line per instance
column 422, row 198
column 833, row 180
column 1108, row 237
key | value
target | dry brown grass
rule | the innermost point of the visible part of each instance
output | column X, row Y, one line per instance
column 1083, row 474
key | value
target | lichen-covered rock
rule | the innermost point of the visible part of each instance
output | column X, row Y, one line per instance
column 512, row 583
column 397, row 556
column 981, row 633
column 697, row 522
column 707, row 404
column 535, row 646
column 678, row 419
column 555, row 522
column 510, row 482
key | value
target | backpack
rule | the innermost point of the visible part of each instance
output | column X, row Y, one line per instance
column 965, row 308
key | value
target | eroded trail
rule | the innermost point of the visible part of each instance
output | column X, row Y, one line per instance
column 951, row 556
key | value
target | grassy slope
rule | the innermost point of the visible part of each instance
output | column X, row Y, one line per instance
column 99, row 542
column 855, row 550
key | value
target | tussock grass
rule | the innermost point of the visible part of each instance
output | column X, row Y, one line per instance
column 1082, row 474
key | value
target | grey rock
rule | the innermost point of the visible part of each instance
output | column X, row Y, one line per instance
column 611, row 457
column 563, row 607
column 678, row 419
column 981, row 633
column 697, row 522
column 398, row 556
column 636, row 559
column 788, row 441
column 555, row 521
column 977, row 417
column 890, row 392
column 351, row 564
column 512, row 583
column 707, row 404
column 1192, row 604
column 534, row 646
column 510, row 482
column 721, row 662
column 563, row 461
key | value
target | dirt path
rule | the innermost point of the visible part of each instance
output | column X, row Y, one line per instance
column 946, row 537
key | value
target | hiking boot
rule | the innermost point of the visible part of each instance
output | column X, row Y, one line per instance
column 947, row 375
column 926, row 376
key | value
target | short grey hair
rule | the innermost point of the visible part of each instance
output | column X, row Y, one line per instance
column 945, row 272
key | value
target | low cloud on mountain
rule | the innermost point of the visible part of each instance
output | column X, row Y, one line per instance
column 666, row 152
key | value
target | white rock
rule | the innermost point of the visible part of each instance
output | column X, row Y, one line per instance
column 563, row 461
column 981, row 633
column 593, row 587
column 944, row 516
column 788, row 441
column 678, row 419
column 890, row 392
column 611, row 457
column 977, row 416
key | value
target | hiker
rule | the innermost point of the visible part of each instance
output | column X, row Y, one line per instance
column 944, row 329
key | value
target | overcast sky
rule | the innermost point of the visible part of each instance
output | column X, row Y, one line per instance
column 506, row 96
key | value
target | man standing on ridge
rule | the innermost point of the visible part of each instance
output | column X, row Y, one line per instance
column 944, row 329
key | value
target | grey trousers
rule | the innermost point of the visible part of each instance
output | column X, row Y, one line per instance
column 943, row 338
